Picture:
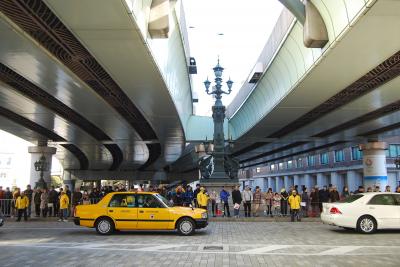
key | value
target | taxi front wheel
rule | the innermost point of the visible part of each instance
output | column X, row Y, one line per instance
column 186, row 226
column 105, row 226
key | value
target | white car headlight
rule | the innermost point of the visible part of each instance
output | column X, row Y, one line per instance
column 204, row 215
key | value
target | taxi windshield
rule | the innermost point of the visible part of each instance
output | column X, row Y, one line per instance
column 164, row 200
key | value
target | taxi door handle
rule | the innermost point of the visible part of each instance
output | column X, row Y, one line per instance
column 141, row 211
column 111, row 211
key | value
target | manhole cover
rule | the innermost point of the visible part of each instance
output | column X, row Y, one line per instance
column 213, row 248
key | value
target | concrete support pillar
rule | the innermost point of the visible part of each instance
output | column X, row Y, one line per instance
column 68, row 180
column 296, row 180
column 271, row 183
column 36, row 153
column 336, row 179
column 321, row 180
column 374, row 163
column 287, row 182
column 278, row 183
column 352, row 181
column 308, row 182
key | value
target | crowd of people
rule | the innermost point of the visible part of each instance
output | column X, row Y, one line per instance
column 294, row 202
column 61, row 202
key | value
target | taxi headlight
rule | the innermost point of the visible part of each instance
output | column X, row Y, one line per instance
column 204, row 215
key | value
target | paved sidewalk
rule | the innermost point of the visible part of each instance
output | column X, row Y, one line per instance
column 47, row 243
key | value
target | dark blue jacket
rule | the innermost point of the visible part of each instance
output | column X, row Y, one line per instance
column 188, row 197
column 224, row 195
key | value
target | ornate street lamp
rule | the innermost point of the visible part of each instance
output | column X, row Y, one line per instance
column 217, row 163
column 41, row 166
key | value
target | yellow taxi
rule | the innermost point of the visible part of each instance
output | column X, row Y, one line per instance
column 139, row 211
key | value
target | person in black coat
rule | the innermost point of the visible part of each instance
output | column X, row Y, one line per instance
column 237, row 199
column 53, row 202
column 323, row 197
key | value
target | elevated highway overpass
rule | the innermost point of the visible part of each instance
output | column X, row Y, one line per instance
column 88, row 78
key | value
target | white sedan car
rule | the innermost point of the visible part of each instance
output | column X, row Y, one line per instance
column 365, row 212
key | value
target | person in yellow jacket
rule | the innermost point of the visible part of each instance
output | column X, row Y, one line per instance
column 202, row 198
column 64, row 204
column 294, row 203
column 21, row 204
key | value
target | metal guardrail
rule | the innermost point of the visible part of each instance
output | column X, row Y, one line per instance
column 7, row 207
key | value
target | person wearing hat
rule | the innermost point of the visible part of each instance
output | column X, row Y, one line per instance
column 202, row 198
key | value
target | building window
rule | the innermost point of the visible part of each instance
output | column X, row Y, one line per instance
column 356, row 153
column 258, row 169
column 311, row 160
column 299, row 163
column 272, row 167
column 394, row 151
column 281, row 166
column 290, row 164
column 339, row 155
column 324, row 158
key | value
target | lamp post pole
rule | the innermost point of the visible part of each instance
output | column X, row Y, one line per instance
column 218, row 113
column 41, row 166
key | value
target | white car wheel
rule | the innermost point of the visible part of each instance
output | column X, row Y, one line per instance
column 366, row 225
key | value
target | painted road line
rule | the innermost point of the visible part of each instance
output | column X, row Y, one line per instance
column 157, row 248
column 264, row 250
column 340, row 250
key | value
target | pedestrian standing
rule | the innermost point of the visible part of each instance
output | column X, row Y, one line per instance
column 21, row 204
column 269, row 196
column 64, row 204
column 214, row 205
column 52, row 202
column 29, row 194
column 69, row 194
column 237, row 200
column 8, row 202
column 314, row 199
column 277, row 204
column 188, row 196
column 195, row 192
column 2, row 200
column 224, row 195
column 76, row 199
column 334, row 195
column 257, row 196
column 44, row 200
column 305, row 202
column 284, row 202
column 247, row 198
column 202, row 198
column 345, row 192
column 36, row 199
column 294, row 201
column 323, row 197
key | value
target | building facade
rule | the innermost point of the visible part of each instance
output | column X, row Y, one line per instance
column 340, row 165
